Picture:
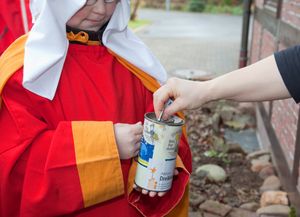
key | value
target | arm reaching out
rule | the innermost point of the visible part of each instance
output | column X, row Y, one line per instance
column 257, row 82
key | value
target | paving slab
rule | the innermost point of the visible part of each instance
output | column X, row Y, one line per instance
column 199, row 41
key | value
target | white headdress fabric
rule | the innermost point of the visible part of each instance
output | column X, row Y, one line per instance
column 47, row 44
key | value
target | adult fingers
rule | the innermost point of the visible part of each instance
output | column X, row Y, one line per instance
column 176, row 106
column 159, row 98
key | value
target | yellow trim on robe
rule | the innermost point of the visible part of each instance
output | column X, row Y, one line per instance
column 98, row 161
column 182, row 208
column 11, row 60
column 149, row 82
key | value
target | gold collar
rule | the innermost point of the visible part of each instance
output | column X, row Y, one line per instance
column 81, row 37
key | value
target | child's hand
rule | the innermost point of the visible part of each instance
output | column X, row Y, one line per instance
column 128, row 137
column 153, row 193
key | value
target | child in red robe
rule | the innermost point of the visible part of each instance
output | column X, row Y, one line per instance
column 74, row 93
column 15, row 20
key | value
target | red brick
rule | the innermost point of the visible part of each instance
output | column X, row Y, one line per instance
column 259, row 3
column 256, row 34
column 290, row 13
column 268, row 44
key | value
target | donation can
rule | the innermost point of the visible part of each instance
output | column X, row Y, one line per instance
column 158, row 152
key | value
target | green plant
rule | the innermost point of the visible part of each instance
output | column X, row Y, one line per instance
column 138, row 23
column 197, row 5
column 292, row 212
column 216, row 154
column 218, row 9
column 227, row 2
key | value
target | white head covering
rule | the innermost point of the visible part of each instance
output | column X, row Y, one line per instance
column 47, row 44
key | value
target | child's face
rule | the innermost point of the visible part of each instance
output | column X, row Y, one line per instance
column 93, row 15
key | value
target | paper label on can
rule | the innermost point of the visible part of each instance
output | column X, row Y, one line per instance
column 146, row 152
column 157, row 156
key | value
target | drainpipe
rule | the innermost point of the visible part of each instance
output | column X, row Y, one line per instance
column 245, row 33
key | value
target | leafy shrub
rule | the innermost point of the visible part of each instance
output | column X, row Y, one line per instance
column 197, row 5
column 293, row 212
column 215, row 9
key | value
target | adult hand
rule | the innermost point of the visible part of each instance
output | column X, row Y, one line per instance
column 186, row 95
column 128, row 137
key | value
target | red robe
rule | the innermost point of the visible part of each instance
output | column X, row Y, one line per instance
column 13, row 21
column 59, row 157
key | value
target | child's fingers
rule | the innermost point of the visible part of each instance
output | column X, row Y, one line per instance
column 136, row 153
column 137, row 128
column 136, row 149
column 138, row 137
column 176, row 172
column 152, row 194
column 137, row 146
column 161, row 194
column 144, row 191
column 137, row 188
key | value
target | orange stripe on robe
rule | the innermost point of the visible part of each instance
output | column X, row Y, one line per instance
column 59, row 153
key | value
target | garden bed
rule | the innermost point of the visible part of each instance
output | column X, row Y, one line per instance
column 206, row 133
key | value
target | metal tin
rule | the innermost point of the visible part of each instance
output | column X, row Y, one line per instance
column 158, row 152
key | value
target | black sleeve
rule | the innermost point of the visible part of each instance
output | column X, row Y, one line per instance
column 288, row 63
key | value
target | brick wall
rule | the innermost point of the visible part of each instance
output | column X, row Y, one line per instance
column 284, row 112
column 268, row 45
column 256, row 42
column 259, row 3
column 291, row 12
column 284, row 121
